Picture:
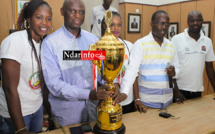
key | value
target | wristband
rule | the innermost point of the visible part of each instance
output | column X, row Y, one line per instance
column 138, row 99
column 20, row 130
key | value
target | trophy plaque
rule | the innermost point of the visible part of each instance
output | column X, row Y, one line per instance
column 109, row 116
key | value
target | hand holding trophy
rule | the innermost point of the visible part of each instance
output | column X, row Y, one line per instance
column 109, row 119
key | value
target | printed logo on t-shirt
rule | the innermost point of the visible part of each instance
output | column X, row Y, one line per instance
column 122, row 72
column 203, row 48
column 34, row 81
column 126, row 57
column 99, row 21
column 187, row 49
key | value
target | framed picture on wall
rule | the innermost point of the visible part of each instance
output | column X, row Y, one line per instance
column 206, row 28
column 134, row 23
column 18, row 6
column 173, row 30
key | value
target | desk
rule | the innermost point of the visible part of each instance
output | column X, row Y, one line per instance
column 197, row 116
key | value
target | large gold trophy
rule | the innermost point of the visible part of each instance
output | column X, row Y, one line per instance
column 109, row 116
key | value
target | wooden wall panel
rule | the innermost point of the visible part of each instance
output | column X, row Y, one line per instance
column 186, row 7
column 165, row 8
column 57, row 18
column 6, row 22
column 131, row 8
column 146, row 18
column 176, row 15
column 206, row 7
column 122, row 13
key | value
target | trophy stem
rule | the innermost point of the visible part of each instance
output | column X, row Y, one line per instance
column 110, row 85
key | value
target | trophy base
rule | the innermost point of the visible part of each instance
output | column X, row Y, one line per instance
column 97, row 130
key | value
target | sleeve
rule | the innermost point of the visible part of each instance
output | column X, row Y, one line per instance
column 176, row 65
column 114, row 9
column 53, row 77
column 132, row 70
column 11, row 48
column 176, row 60
column 92, row 17
column 116, row 80
column 130, row 45
column 210, row 55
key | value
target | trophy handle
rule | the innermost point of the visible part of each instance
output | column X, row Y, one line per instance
column 92, row 47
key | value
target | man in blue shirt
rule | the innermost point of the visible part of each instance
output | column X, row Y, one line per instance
column 70, row 81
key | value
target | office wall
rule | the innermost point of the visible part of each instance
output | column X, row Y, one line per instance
column 146, row 12
column 6, row 22
column 178, row 13
column 130, row 8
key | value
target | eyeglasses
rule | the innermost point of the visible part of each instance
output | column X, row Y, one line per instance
column 197, row 20
column 73, row 11
column 162, row 23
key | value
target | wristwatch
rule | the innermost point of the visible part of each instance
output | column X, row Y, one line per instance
column 138, row 99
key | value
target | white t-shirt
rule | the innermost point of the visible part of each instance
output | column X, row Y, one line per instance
column 192, row 56
column 96, row 19
column 128, row 46
column 16, row 47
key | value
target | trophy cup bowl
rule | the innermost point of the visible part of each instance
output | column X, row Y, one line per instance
column 109, row 116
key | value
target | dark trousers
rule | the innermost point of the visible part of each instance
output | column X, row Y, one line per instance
column 128, row 108
column 190, row 95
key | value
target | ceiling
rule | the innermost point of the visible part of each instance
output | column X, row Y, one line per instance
column 153, row 2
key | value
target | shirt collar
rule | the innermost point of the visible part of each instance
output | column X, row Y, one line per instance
column 152, row 38
column 103, row 9
column 69, row 34
column 187, row 35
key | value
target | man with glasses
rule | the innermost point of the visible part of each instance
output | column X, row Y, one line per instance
column 194, row 51
column 150, row 57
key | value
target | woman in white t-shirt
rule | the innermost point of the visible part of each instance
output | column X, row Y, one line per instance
column 21, row 98
column 116, row 27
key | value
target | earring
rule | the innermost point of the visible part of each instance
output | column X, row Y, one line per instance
column 51, row 31
column 26, row 24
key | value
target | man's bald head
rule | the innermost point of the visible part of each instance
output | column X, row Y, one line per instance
column 66, row 1
column 195, row 21
column 194, row 12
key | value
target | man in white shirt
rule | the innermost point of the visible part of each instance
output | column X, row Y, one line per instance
column 97, row 16
column 195, row 50
column 149, row 58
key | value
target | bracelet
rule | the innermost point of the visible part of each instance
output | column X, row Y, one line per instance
column 138, row 99
column 20, row 130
